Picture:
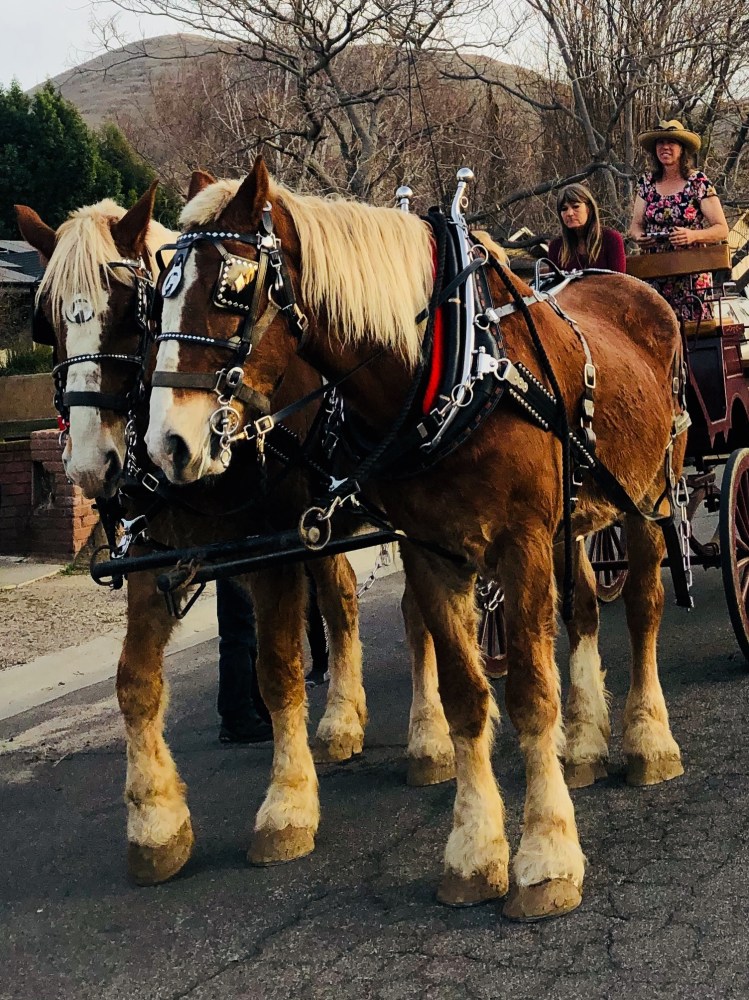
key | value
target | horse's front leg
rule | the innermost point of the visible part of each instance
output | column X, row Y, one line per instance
column 549, row 866
column 586, row 715
column 287, row 821
column 340, row 733
column 651, row 751
column 477, row 853
column 431, row 758
column 159, row 832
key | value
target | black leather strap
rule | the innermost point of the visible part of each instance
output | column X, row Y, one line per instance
column 100, row 400
column 211, row 383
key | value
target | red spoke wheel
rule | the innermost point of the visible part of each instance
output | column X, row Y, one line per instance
column 492, row 635
column 733, row 527
column 608, row 546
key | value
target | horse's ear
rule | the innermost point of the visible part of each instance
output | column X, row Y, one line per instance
column 129, row 233
column 253, row 191
column 34, row 231
column 200, row 179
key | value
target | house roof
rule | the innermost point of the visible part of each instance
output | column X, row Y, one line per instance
column 19, row 263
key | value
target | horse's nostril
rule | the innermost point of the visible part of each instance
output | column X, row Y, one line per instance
column 176, row 448
column 114, row 466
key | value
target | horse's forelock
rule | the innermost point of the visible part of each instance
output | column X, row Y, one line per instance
column 84, row 245
column 210, row 203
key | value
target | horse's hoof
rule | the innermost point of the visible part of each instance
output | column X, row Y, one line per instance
column 336, row 750
column 641, row 771
column 495, row 667
column 457, row 890
column 546, row 899
column 584, row 773
column 151, row 865
column 429, row 771
column 274, row 847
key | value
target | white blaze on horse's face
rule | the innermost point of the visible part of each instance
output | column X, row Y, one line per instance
column 179, row 433
column 94, row 452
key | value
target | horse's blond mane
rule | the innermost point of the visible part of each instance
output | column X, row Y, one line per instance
column 83, row 249
column 369, row 268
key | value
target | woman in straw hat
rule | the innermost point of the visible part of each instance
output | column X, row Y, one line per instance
column 676, row 207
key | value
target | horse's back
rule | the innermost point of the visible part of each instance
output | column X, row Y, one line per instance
column 621, row 314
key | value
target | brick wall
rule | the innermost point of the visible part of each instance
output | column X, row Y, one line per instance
column 41, row 514
column 15, row 496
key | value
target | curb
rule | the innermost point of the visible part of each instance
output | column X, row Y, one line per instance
column 65, row 671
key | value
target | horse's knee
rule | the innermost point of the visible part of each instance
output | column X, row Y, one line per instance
column 466, row 704
column 139, row 693
column 532, row 705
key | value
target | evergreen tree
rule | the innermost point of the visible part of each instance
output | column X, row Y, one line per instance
column 135, row 175
column 51, row 160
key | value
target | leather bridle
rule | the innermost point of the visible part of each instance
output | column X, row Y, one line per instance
column 115, row 402
column 243, row 300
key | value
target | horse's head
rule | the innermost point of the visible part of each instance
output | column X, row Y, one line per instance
column 91, row 307
column 257, row 271
column 223, row 337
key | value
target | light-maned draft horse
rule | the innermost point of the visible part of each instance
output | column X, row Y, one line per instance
column 91, row 307
column 350, row 281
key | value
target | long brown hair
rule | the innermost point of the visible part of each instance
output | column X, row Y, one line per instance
column 573, row 194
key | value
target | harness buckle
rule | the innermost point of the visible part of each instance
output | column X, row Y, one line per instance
column 264, row 425
column 302, row 321
column 589, row 376
column 507, row 372
column 233, row 378
column 150, row 482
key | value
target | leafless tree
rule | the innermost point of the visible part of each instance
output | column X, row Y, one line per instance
column 362, row 95
column 608, row 69
column 326, row 86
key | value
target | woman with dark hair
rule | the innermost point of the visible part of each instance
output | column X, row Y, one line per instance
column 584, row 241
column 676, row 207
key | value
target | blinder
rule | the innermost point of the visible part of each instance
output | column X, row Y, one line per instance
column 42, row 331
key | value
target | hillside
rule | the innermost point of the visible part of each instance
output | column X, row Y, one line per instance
column 121, row 81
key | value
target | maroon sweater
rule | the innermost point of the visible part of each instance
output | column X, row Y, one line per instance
column 611, row 257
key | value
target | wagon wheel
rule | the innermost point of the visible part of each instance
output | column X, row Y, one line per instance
column 604, row 546
column 734, row 543
column 492, row 636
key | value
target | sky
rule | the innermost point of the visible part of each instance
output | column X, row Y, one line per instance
column 41, row 38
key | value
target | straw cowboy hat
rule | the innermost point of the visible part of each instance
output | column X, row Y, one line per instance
column 672, row 130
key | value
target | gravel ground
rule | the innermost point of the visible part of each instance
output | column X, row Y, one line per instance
column 60, row 611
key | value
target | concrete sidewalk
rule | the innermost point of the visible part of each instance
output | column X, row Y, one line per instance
column 54, row 675
column 18, row 571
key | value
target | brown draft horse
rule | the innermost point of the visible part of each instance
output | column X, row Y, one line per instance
column 360, row 276
column 79, row 276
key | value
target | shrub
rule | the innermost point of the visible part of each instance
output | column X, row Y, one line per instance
column 27, row 361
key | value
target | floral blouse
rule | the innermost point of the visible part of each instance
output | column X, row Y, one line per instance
column 664, row 212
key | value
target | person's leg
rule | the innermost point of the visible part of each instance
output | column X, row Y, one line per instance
column 316, row 636
column 237, row 698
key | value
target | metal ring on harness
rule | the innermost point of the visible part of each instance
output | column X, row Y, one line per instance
column 315, row 528
column 224, row 420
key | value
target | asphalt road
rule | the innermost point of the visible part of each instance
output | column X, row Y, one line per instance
column 666, row 898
